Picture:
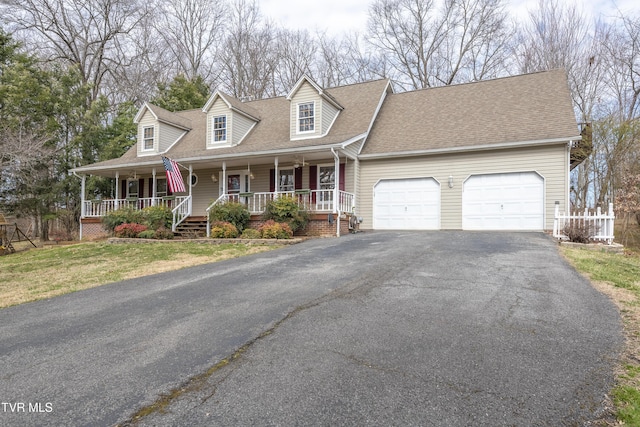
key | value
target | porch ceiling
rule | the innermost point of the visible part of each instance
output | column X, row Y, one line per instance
column 146, row 168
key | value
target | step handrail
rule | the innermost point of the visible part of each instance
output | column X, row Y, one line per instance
column 220, row 199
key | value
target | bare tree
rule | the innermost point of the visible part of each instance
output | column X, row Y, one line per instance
column 296, row 51
column 427, row 45
column 249, row 57
column 192, row 31
column 84, row 33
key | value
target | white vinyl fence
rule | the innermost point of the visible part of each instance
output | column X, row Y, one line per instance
column 598, row 224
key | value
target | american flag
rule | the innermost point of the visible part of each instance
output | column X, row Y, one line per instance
column 174, row 177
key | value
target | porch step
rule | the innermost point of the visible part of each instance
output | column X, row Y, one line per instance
column 192, row 227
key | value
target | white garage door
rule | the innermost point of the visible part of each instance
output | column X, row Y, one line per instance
column 406, row 204
column 507, row 201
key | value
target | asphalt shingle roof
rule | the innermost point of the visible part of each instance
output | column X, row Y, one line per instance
column 531, row 107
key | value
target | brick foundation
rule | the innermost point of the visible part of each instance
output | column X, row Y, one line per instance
column 319, row 225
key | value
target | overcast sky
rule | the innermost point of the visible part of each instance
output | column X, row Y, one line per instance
column 337, row 16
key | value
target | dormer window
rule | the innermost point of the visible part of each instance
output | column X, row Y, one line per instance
column 306, row 117
column 220, row 129
column 148, row 138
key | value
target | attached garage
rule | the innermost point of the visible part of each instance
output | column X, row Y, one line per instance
column 505, row 201
column 406, row 204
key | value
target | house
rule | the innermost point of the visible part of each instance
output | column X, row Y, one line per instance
column 491, row 155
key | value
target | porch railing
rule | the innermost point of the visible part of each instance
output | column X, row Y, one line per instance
column 180, row 212
column 99, row 208
column 597, row 224
column 312, row 200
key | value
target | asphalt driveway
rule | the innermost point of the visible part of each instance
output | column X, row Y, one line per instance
column 433, row 328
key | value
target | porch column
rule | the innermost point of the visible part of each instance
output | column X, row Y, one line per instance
column 190, row 188
column 154, row 194
column 336, row 181
column 224, row 178
column 115, row 204
column 275, row 175
column 83, row 209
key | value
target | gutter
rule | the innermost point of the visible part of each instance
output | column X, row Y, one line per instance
column 470, row 148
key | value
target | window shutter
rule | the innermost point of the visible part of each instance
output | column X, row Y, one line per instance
column 313, row 177
column 272, row 180
column 297, row 178
column 341, row 183
column 151, row 187
column 123, row 189
column 141, row 188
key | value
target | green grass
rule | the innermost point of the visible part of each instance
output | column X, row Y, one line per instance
column 42, row 273
column 619, row 271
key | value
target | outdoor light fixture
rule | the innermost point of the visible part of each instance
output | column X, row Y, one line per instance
column 213, row 177
column 450, row 181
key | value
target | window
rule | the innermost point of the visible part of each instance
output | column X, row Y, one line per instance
column 327, row 177
column 194, row 179
column 148, row 138
column 132, row 188
column 220, row 129
column 285, row 180
column 161, row 187
column 306, row 117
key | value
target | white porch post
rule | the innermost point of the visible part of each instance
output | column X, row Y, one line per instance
column 154, row 193
column 115, row 205
column 224, row 178
column 83, row 209
column 336, row 182
column 190, row 189
column 275, row 175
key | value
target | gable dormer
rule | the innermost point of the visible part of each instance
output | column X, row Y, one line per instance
column 158, row 129
column 313, row 111
column 228, row 120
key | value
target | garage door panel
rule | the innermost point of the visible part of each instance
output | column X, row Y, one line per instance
column 509, row 201
column 407, row 204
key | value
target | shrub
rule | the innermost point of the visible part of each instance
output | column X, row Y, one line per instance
column 578, row 233
column 223, row 230
column 251, row 233
column 156, row 217
column 121, row 216
column 164, row 233
column 129, row 230
column 147, row 234
column 233, row 212
column 287, row 209
column 275, row 230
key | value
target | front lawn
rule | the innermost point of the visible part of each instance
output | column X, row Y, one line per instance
column 42, row 273
column 618, row 276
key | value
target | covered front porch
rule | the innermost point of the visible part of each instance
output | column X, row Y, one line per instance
column 322, row 186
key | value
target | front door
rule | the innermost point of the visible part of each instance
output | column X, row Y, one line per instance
column 237, row 182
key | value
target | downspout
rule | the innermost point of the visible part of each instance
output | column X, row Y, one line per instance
column 336, row 189
column 567, row 206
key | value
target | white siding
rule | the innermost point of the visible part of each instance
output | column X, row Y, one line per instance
column 168, row 135
column 241, row 126
column 329, row 113
column 549, row 161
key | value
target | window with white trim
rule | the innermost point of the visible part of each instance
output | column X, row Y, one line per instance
column 285, row 180
column 306, row 117
column 132, row 188
column 161, row 187
column 219, row 126
column 327, row 177
column 148, row 137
